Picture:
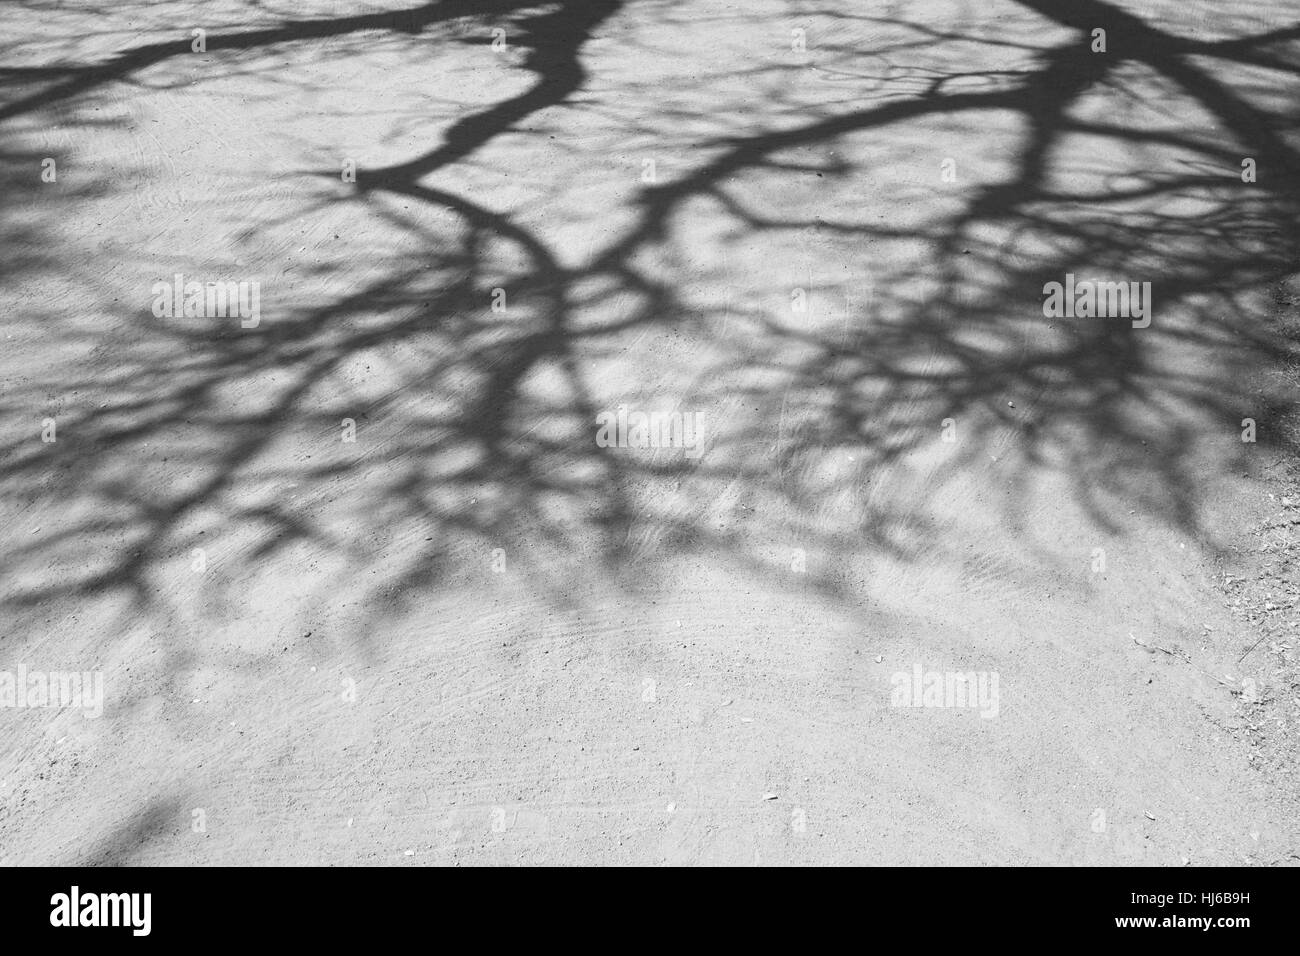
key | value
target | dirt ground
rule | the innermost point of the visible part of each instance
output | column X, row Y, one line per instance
column 364, row 588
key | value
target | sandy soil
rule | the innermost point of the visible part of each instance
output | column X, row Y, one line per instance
column 473, row 635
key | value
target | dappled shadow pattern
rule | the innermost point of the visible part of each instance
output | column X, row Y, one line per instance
column 1124, row 165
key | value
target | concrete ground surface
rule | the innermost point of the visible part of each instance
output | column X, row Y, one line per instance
column 363, row 586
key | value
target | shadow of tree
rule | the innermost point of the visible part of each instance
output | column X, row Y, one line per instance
column 1122, row 166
